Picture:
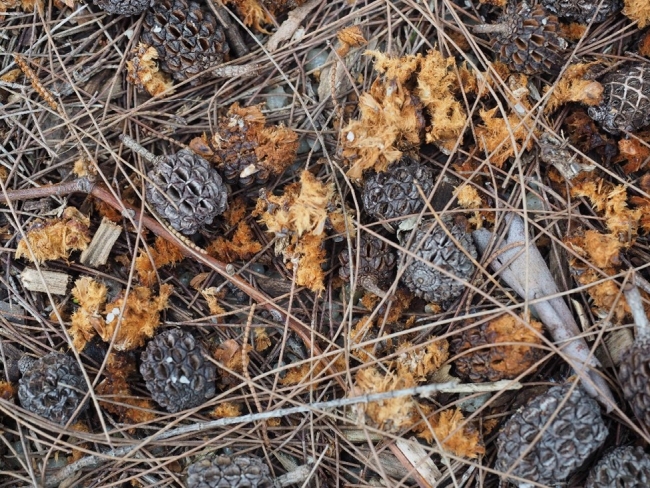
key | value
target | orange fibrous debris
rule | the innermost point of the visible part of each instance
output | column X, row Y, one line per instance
column 437, row 82
column 309, row 370
column 298, row 218
column 602, row 250
column 611, row 201
column 252, row 13
column 496, row 135
column 575, row 86
column 422, row 361
column 230, row 356
column 638, row 11
column 212, row 296
column 262, row 339
column 161, row 254
column 573, row 31
column 362, row 331
column 454, row 433
column 644, row 45
column 77, row 453
column 391, row 415
column 242, row 245
column 56, row 238
column 349, row 37
column 311, row 257
column 7, row 390
column 468, row 197
column 226, row 409
column 143, row 71
column 635, row 152
column 118, row 397
column 138, row 322
column 607, row 296
column 391, row 118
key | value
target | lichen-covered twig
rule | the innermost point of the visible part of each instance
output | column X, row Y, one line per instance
column 634, row 301
column 523, row 268
column 116, row 454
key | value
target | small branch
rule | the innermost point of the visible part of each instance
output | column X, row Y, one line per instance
column 80, row 185
column 233, row 34
column 491, row 29
column 96, row 460
column 634, row 300
column 138, row 149
column 523, row 268
column 237, row 71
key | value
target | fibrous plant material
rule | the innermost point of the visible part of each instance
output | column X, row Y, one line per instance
column 52, row 387
column 143, row 71
column 414, row 100
column 162, row 253
column 482, row 357
column 399, row 191
column 373, row 261
column 187, row 36
column 229, row 472
column 135, row 317
column 177, row 371
column 638, row 11
column 299, row 219
column 123, row 7
column 183, row 188
column 245, row 149
column 56, row 238
column 570, row 429
column 583, row 11
column 527, row 39
column 575, row 85
column 624, row 467
column 626, row 102
column 440, row 269
column 120, row 370
column 255, row 13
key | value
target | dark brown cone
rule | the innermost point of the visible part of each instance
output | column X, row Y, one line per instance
column 123, row 7
column 52, row 387
column 187, row 37
column 634, row 374
column 570, row 429
column 229, row 472
column 184, row 189
column 393, row 194
column 527, row 39
column 625, row 467
column 583, row 11
column 626, row 100
column 177, row 372
column 377, row 261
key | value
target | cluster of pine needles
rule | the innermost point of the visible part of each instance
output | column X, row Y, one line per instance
column 267, row 299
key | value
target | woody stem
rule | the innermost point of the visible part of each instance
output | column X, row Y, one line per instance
column 137, row 148
column 490, row 28
column 635, row 302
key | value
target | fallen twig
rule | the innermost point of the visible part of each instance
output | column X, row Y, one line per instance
column 98, row 459
column 522, row 267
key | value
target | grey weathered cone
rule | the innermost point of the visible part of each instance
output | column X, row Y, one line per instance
column 123, row 7
column 626, row 99
column 187, row 36
column 176, row 370
column 183, row 188
column 570, row 429
column 442, row 268
column 376, row 267
column 393, row 194
column 229, row 472
column 52, row 387
column 624, row 467
column 527, row 39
